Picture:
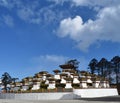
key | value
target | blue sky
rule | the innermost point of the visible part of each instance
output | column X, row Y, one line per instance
column 40, row 35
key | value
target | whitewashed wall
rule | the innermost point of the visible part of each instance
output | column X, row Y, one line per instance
column 38, row 96
column 77, row 93
column 91, row 93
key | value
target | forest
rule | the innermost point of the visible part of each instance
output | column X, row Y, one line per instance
column 109, row 69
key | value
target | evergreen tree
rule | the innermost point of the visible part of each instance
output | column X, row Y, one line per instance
column 75, row 63
column 6, row 80
column 93, row 65
column 116, row 63
column 102, row 66
column 110, row 71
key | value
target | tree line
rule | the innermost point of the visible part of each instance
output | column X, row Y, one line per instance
column 108, row 69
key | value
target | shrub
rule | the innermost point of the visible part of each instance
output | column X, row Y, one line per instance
column 75, row 85
column 60, row 85
column 44, row 86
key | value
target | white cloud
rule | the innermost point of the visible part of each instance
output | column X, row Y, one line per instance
column 88, row 2
column 29, row 15
column 51, row 59
column 51, row 62
column 8, row 20
column 70, row 27
column 48, row 62
column 35, row 14
column 31, row 12
column 105, row 27
column 95, row 2
column 58, row 1
column 5, row 3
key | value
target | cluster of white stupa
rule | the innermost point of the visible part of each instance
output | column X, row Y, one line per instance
column 69, row 77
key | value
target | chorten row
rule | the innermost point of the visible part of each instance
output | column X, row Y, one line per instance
column 67, row 78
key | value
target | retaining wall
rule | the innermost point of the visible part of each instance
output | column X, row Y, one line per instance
column 37, row 96
column 76, row 94
column 91, row 93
